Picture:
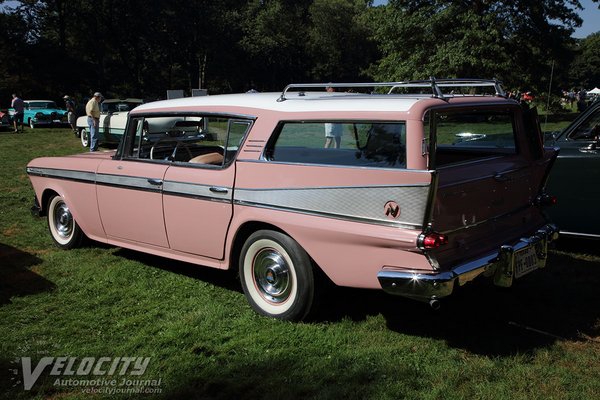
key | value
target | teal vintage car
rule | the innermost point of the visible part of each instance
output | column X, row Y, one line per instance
column 43, row 112
column 575, row 176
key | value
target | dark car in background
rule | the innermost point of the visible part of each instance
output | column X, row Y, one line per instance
column 575, row 177
column 5, row 121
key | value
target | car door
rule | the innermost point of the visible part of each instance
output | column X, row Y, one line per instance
column 129, row 192
column 198, row 196
column 575, row 177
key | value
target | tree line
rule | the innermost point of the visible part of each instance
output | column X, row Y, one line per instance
column 142, row 48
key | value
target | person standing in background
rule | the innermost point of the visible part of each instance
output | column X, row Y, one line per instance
column 19, row 109
column 71, row 117
column 333, row 132
column 92, row 110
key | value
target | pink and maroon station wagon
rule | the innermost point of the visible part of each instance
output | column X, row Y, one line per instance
column 415, row 188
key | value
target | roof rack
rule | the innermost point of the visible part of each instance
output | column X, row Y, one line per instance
column 433, row 83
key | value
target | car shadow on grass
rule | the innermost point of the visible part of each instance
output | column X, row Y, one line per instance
column 553, row 304
column 17, row 274
column 558, row 303
column 222, row 278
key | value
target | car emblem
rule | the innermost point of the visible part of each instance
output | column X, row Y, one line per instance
column 392, row 210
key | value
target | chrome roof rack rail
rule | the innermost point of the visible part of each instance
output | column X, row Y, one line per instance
column 330, row 84
column 433, row 83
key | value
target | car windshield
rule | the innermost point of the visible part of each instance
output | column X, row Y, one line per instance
column 42, row 104
column 111, row 107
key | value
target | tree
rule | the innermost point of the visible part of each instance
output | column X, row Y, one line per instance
column 584, row 69
column 338, row 40
column 13, row 69
column 515, row 41
column 273, row 38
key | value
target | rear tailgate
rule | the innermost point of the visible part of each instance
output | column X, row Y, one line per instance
column 486, row 185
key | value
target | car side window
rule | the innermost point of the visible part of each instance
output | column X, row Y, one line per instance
column 185, row 139
column 364, row 144
column 588, row 129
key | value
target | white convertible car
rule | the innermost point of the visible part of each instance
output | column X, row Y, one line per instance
column 113, row 117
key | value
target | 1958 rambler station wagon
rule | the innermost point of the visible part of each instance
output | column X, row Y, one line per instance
column 415, row 191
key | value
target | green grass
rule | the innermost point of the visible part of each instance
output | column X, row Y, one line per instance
column 538, row 340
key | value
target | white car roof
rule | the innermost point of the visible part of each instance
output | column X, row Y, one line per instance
column 294, row 102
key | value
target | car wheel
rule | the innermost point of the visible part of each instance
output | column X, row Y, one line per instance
column 85, row 138
column 65, row 232
column 31, row 124
column 276, row 275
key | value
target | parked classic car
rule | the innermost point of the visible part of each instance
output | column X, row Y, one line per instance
column 42, row 112
column 575, row 178
column 113, row 117
column 5, row 121
column 244, row 182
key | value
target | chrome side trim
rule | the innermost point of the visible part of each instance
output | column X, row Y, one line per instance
column 497, row 265
column 62, row 174
column 171, row 188
column 196, row 191
column 333, row 216
column 356, row 204
column 127, row 182
column 364, row 203
column 577, row 234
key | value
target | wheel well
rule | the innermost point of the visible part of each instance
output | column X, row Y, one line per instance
column 46, row 196
column 248, row 229
column 241, row 235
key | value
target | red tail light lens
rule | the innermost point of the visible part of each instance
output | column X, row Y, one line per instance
column 432, row 240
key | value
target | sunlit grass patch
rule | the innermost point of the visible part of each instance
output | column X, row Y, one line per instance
column 537, row 340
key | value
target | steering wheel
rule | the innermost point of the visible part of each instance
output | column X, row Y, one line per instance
column 182, row 145
column 163, row 139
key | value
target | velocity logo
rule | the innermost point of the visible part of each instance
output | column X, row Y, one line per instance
column 87, row 366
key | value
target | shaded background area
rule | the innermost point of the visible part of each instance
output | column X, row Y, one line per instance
column 131, row 49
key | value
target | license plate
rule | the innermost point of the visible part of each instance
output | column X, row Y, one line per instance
column 525, row 261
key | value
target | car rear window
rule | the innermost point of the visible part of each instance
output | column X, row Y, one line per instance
column 364, row 144
column 465, row 136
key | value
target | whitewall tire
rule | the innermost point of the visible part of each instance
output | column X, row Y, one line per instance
column 276, row 275
column 85, row 138
column 64, row 230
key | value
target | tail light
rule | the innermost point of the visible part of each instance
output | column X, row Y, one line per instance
column 431, row 240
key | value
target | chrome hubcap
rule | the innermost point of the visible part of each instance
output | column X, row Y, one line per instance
column 272, row 275
column 63, row 220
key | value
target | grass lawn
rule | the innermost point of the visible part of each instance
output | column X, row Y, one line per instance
column 537, row 340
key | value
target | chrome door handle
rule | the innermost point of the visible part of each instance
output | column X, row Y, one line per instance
column 154, row 181
column 215, row 189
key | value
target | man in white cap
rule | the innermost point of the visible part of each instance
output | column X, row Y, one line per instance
column 92, row 110
column 71, row 117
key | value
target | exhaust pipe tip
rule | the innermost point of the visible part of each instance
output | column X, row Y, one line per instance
column 435, row 304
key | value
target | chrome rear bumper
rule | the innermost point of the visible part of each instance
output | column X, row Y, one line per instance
column 498, row 265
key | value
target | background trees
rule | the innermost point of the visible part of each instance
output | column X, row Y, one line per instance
column 142, row 48
column 515, row 41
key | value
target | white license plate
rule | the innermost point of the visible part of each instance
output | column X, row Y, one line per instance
column 525, row 261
